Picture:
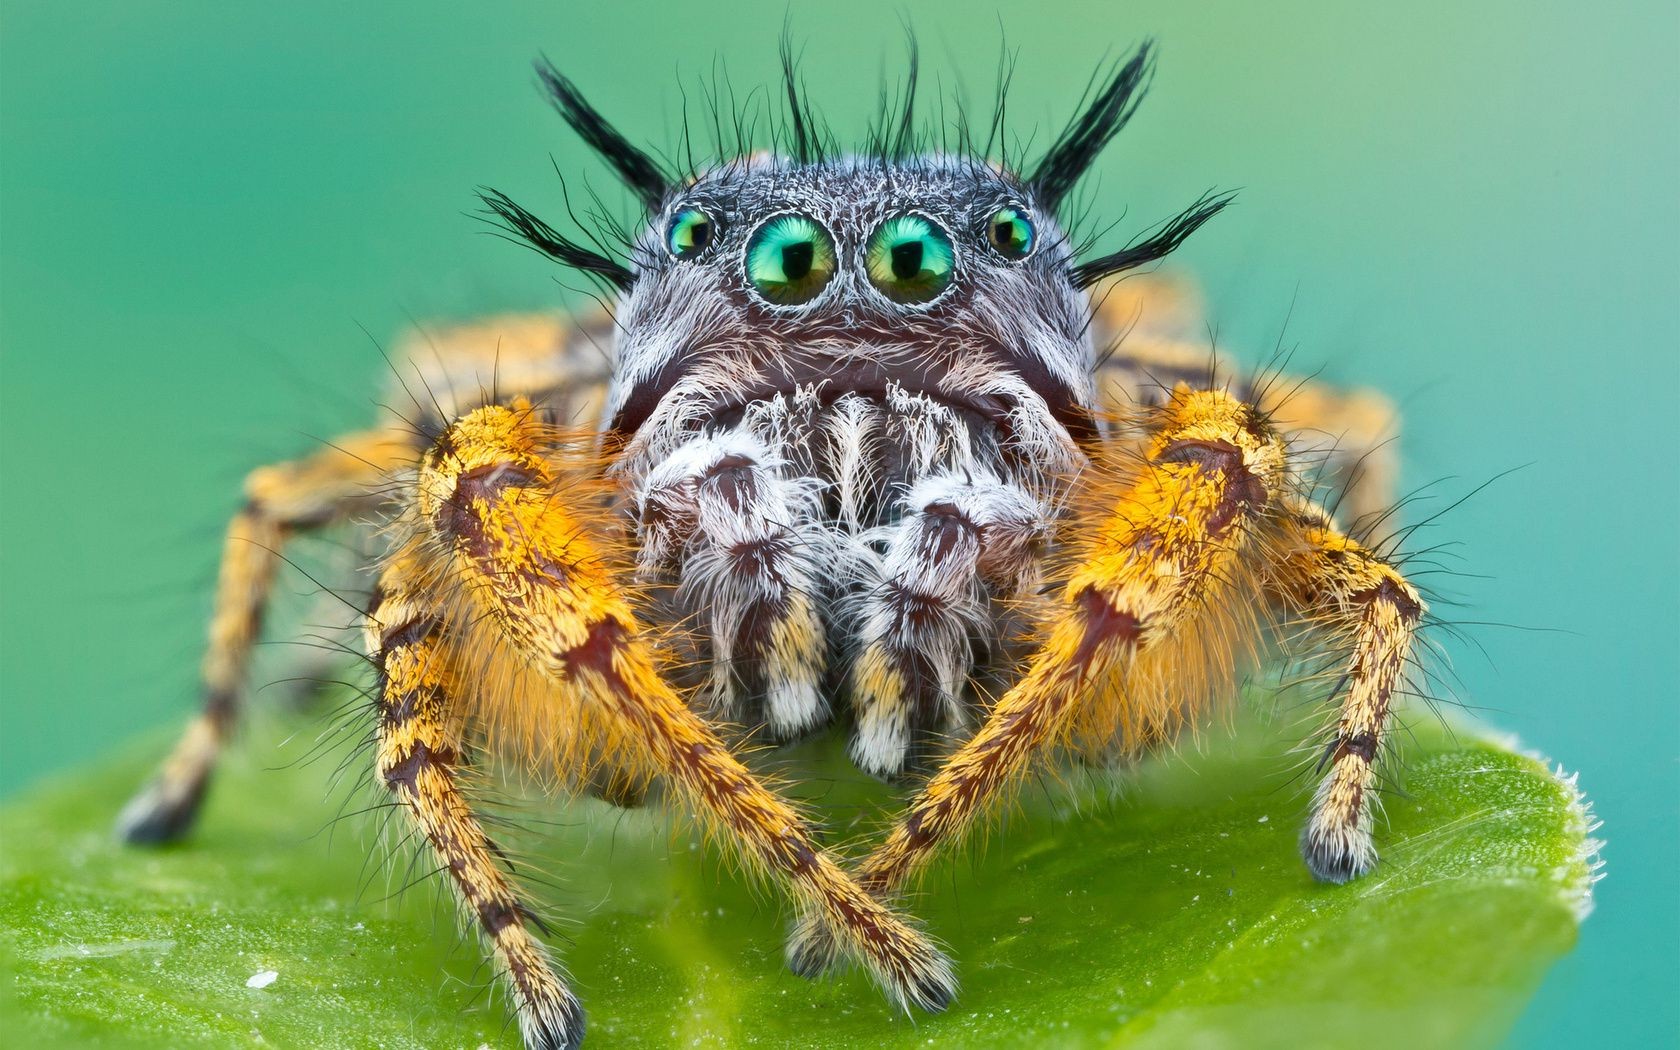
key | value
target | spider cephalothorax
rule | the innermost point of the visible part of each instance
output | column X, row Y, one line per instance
column 851, row 385
column 854, row 410
column 848, row 393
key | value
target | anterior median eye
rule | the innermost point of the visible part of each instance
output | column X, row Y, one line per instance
column 910, row 259
column 1011, row 233
column 691, row 231
column 790, row 259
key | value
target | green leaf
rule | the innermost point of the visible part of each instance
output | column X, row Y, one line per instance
column 1165, row 907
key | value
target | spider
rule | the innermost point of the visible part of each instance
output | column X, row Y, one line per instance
column 858, row 462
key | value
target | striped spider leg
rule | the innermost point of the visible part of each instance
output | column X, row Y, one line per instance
column 508, row 548
column 1204, row 526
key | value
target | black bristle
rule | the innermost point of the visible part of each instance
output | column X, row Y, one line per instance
column 803, row 150
column 904, row 139
column 530, row 230
column 1074, row 150
column 1158, row 245
column 638, row 170
column 892, row 133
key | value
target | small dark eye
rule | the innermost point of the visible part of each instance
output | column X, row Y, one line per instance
column 790, row 259
column 1010, row 233
column 691, row 231
column 910, row 259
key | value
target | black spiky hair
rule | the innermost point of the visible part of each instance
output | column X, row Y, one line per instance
column 1079, row 145
column 640, row 172
column 1158, row 245
column 1077, row 148
column 1105, row 113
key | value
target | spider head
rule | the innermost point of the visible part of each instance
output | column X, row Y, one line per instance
column 884, row 274
column 852, row 275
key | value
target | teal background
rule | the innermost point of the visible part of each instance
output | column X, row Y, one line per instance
column 1477, row 210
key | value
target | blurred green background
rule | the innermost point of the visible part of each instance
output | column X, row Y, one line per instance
column 1475, row 208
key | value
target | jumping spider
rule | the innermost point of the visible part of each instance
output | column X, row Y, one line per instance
column 854, row 419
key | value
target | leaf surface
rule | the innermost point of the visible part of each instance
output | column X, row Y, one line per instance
column 1165, row 907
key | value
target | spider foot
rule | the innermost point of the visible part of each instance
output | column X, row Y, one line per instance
column 164, row 810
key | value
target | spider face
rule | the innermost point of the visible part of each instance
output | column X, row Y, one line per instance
column 933, row 279
column 826, row 368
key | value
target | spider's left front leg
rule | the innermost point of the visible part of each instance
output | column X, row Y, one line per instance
column 1214, row 492
column 1154, row 547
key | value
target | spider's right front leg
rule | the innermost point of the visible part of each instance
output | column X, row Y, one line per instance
column 511, row 504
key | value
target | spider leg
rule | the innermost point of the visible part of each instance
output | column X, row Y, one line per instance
column 499, row 495
column 1150, row 547
column 926, row 598
column 281, row 500
column 721, row 509
column 1370, row 607
column 418, row 757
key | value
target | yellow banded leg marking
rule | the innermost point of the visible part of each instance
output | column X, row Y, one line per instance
column 524, row 544
column 280, row 500
column 1149, row 552
column 1335, row 581
column 416, row 759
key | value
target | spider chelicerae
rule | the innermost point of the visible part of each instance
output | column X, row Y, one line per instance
column 876, row 448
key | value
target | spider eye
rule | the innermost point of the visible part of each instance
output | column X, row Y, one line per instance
column 1010, row 233
column 691, row 231
column 910, row 259
column 790, row 259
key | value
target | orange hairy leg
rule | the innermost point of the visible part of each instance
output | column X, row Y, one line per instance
column 525, row 541
column 418, row 754
column 281, row 500
column 1149, row 552
column 1335, row 583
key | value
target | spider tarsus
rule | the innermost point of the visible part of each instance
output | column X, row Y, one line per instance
column 162, row 812
column 1335, row 858
column 934, row 987
column 930, row 984
column 559, row 1025
column 811, row 948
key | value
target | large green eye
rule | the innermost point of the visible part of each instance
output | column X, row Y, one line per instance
column 790, row 259
column 1011, row 233
column 691, row 231
column 910, row 259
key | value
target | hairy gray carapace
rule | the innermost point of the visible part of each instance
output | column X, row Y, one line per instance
column 853, row 411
